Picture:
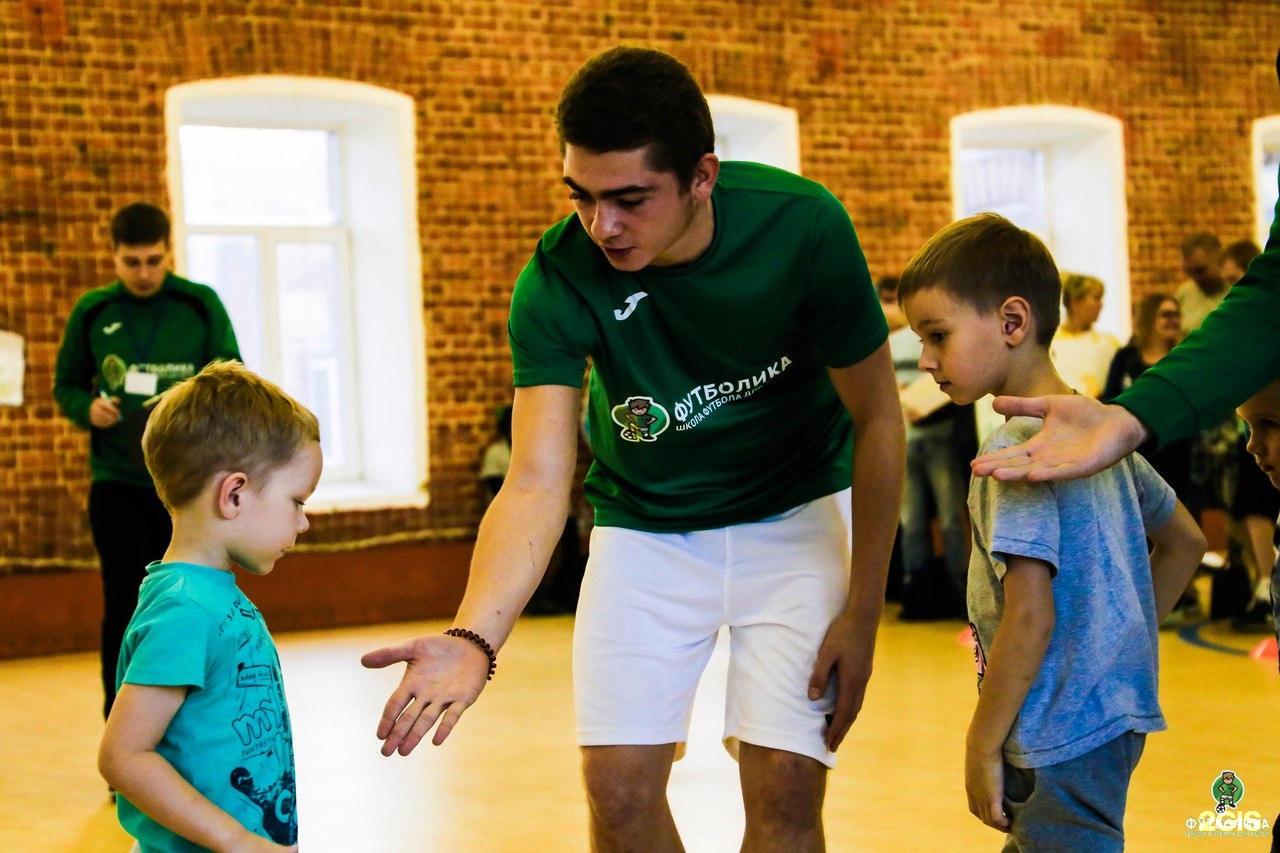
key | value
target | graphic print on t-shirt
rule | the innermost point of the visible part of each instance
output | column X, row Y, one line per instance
column 641, row 419
column 264, row 774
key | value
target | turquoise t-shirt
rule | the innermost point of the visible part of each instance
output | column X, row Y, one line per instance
column 231, row 739
column 709, row 402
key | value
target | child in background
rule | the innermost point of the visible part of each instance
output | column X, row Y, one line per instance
column 1262, row 413
column 198, row 743
column 1064, row 600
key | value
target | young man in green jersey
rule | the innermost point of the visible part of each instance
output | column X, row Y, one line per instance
column 737, row 347
column 126, row 342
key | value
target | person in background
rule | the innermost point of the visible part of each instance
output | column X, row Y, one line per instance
column 1081, row 353
column 1255, row 505
column 1204, row 287
column 1157, row 330
column 1236, row 259
column 496, row 460
column 124, row 343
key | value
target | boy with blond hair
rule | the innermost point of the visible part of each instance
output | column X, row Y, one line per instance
column 1064, row 600
column 198, row 743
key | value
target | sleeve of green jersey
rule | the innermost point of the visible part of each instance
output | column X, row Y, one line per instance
column 548, row 329
column 843, row 309
column 74, row 371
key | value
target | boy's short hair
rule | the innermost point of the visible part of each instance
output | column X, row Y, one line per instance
column 1076, row 285
column 139, row 224
column 630, row 97
column 984, row 260
column 225, row 418
column 1241, row 252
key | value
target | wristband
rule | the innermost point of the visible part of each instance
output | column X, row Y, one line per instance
column 481, row 643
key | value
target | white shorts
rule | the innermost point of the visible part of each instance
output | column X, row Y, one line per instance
column 653, row 603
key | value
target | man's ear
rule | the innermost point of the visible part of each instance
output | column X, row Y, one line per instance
column 231, row 489
column 1015, row 320
column 704, row 177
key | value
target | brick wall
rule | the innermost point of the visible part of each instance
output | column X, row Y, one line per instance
column 875, row 83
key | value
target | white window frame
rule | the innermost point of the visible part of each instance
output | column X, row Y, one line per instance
column 1084, row 172
column 1266, row 140
column 756, row 131
column 379, row 188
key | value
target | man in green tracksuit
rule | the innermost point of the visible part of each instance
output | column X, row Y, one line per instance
column 125, row 343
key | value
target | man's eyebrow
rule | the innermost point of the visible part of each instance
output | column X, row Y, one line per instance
column 604, row 194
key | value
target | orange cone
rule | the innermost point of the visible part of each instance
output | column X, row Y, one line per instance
column 1265, row 650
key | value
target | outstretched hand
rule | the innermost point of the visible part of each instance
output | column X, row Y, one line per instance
column 443, row 678
column 1080, row 437
column 848, row 650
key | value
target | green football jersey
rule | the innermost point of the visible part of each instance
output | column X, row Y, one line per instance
column 111, row 334
column 709, row 402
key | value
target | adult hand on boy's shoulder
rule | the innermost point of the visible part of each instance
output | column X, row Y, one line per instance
column 848, row 649
column 984, row 784
column 443, row 678
column 1081, row 436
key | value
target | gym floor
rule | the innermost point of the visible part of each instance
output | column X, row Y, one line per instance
column 508, row 778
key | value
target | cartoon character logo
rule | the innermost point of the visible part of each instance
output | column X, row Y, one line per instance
column 113, row 371
column 641, row 419
column 1228, row 791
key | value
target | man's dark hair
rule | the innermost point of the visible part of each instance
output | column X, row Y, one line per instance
column 629, row 98
column 984, row 260
column 139, row 224
column 1202, row 240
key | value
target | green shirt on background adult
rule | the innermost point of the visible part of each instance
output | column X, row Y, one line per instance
column 710, row 403
column 112, row 333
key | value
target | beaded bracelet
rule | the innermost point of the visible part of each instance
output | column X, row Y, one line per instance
column 483, row 644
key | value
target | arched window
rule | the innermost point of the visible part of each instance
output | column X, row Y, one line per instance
column 756, row 131
column 1059, row 173
column 1266, row 165
column 295, row 198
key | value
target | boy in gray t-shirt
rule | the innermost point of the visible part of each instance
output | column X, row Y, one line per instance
column 1064, row 599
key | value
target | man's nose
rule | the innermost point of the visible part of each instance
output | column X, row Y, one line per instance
column 606, row 222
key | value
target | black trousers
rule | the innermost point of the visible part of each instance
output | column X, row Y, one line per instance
column 131, row 528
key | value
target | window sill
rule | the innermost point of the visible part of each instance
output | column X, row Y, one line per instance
column 339, row 497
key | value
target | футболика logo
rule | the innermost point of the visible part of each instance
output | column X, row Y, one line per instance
column 641, row 419
column 1228, row 791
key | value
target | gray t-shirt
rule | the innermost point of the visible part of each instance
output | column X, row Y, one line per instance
column 1098, row 678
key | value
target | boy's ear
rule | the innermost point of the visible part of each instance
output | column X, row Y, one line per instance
column 231, row 489
column 1015, row 320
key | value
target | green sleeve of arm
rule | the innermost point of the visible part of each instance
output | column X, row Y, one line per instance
column 1233, row 355
column 74, row 373
column 222, row 337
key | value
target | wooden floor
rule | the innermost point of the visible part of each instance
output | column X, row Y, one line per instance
column 508, row 778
